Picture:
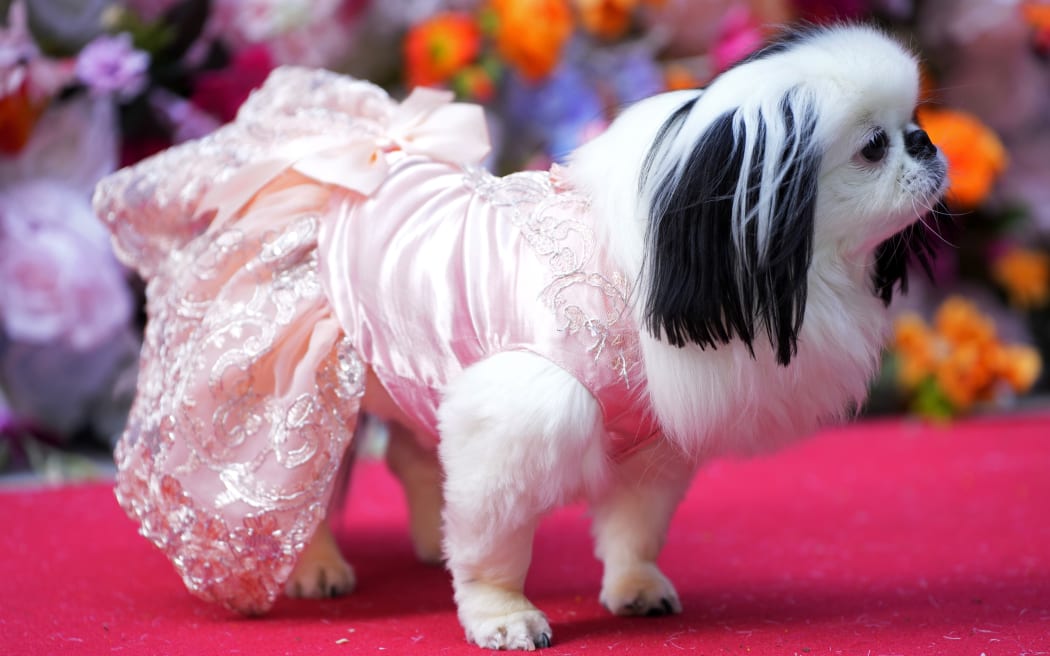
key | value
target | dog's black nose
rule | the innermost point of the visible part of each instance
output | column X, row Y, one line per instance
column 918, row 144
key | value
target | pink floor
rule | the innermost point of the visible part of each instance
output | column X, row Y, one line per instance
column 881, row 538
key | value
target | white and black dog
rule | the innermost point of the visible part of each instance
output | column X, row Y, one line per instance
column 766, row 221
column 708, row 276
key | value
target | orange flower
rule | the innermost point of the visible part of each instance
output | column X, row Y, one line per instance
column 1037, row 14
column 959, row 322
column 475, row 83
column 608, row 19
column 1019, row 366
column 1025, row 275
column 530, row 34
column 917, row 347
column 975, row 155
column 960, row 362
column 963, row 376
column 441, row 46
column 678, row 77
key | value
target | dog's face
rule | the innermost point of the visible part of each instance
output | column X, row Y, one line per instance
column 879, row 172
column 808, row 147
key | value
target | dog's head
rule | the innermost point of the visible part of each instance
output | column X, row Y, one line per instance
column 809, row 144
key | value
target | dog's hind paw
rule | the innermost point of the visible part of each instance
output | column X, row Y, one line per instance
column 321, row 571
column 321, row 580
column 524, row 631
column 640, row 590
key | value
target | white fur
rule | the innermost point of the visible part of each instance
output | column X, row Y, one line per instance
column 520, row 436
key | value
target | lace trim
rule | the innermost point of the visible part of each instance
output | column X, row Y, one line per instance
column 232, row 491
column 544, row 210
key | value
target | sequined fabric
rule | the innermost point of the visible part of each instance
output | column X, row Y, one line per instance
column 325, row 229
column 247, row 391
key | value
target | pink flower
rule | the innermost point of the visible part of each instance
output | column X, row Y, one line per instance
column 22, row 67
column 16, row 43
column 185, row 120
column 59, row 281
column 112, row 65
column 317, row 33
column 738, row 37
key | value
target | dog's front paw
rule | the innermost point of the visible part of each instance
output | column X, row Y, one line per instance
column 524, row 630
column 496, row 618
column 640, row 589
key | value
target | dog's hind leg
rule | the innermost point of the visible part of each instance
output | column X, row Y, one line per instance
column 419, row 471
column 321, row 570
column 630, row 525
column 517, row 439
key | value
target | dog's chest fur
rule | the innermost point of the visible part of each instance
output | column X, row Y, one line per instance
column 725, row 400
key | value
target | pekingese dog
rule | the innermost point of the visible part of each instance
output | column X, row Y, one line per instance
column 708, row 276
column 762, row 224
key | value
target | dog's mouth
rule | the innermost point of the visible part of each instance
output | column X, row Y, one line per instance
column 915, row 243
column 937, row 169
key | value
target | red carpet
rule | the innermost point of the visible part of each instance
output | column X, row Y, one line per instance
column 886, row 538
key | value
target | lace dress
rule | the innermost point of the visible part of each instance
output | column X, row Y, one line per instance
column 328, row 229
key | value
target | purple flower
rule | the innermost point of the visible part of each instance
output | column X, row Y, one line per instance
column 630, row 71
column 562, row 110
column 111, row 65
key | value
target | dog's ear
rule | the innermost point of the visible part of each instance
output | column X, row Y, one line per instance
column 892, row 255
column 731, row 218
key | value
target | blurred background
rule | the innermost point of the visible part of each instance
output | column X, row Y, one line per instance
column 87, row 86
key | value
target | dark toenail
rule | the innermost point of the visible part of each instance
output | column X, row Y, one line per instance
column 666, row 603
column 544, row 641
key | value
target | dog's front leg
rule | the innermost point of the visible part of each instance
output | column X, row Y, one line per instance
column 518, row 437
column 488, row 576
column 630, row 525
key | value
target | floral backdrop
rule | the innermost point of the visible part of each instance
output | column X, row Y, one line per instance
column 88, row 86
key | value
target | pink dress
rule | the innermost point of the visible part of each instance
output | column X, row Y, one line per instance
column 328, row 229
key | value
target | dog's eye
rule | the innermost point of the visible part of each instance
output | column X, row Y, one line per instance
column 877, row 147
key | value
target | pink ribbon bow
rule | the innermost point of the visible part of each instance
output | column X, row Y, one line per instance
column 426, row 123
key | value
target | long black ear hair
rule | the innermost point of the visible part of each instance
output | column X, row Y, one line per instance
column 912, row 243
column 730, row 236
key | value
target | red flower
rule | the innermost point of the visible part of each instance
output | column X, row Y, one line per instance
column 440, row 47
column 18, row 116
column 221, row 92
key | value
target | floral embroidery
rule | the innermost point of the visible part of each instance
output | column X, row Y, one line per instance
column 209, row 416
column 543, row 207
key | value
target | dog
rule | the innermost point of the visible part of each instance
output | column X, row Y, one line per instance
column 708, row 276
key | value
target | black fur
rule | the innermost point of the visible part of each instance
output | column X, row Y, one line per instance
column 699, row 290
column 892, row 255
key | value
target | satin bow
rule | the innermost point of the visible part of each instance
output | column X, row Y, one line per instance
column 426, row 123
